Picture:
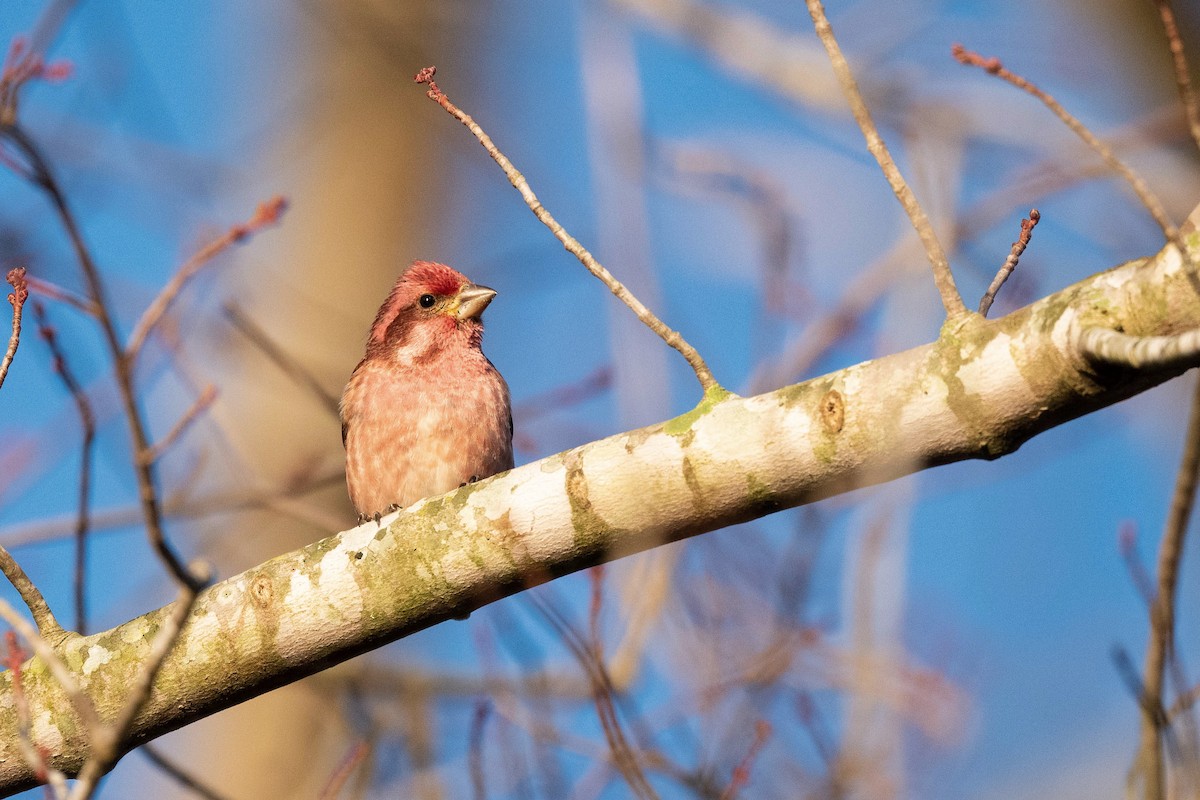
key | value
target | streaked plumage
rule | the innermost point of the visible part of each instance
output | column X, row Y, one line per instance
column 424, row 411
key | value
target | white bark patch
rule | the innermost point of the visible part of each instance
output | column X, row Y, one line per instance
column 132, row 634
column 653, row 473
column 537, row 507
column 43, row 731
column 994, row 375
column 325, row 603
column 97, row 657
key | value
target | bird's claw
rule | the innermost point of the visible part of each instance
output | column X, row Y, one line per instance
column 378, row 515
column 469, row 481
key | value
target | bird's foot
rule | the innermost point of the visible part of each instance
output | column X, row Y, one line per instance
column 378, row 515
column 469, row 481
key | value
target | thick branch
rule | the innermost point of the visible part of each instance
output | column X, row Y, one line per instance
column 980, row 391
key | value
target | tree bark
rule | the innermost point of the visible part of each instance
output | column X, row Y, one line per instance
column 979, row 391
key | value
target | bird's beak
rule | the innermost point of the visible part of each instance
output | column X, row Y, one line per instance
column 472, row 299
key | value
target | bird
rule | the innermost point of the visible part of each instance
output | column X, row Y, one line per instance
column 425, row 411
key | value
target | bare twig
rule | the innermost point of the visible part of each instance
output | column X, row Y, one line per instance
column 1010, row 263
column 673, row 338
column 290, row 366
column 483, row 711
column 741, row 773
column 623, row 755
column 16, row 298
column 1140, row 352
column 1148, row 199
column 62, row 675
column 44, row 179
column 55, row 292
column 33, row 755
column 943, row 278
column 87, row 420
column 344, row 770
column 267, row 213
column 42, row 616
column 1183, row 79
column 1127, row 542
column 207, row 397
column 178, row 774
column 1162, row 613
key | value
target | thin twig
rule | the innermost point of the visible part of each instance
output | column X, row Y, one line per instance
column 55, row 292
column 87, row 420
column 207, row 397
column 16, row 298
column 943, row 278
column 178, row 774
column 34, row 756
column 1148, row 199
column 1162, row 612
column 267, row 213
column 1010, row 263
column 1127, row 542
column 673, row 338
column 290, row 366
column 1183, row 77
column 42, row 616
column 741, row 773
column 483, row 711
column 106, row 741
column 623, row 756
column 44, row 179
column 333, row 788
column 61, row 674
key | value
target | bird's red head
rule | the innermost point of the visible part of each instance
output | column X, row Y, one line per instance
column 434, row 300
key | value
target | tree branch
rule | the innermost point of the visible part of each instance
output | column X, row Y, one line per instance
column 943, row 278
column 979, row 393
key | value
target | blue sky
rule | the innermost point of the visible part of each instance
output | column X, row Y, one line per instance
column 1011, row 582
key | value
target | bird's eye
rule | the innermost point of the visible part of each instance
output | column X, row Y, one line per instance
column 427, row 301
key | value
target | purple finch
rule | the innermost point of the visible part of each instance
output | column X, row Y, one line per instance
column 424, row 411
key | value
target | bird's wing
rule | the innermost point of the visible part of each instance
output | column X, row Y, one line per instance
column 342, row 406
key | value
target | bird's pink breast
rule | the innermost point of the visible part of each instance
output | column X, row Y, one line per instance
column 418, row 432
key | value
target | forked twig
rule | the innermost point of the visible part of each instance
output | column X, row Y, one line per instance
column 47, row 625
column 671, row 337
column 1010, row 263
column 267, row 213
column 42, row 177
column 1148, row 199
column 87, row 420
column 943, row 278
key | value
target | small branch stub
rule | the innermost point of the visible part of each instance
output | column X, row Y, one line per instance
column 833, row 411
column 1010, row 263
column 993, row 66
column 1140, row 352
